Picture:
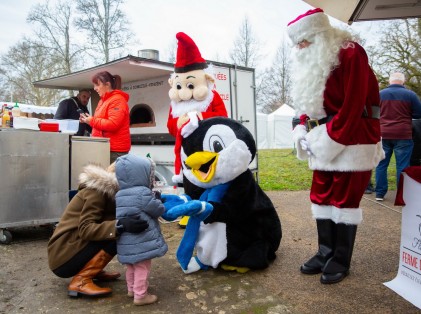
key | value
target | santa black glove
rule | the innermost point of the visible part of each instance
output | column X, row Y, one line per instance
column 131, row 225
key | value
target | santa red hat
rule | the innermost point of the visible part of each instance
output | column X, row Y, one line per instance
column 188, row 55
column 307, row 24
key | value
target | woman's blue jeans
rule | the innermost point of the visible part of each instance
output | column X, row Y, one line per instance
column 402, row 150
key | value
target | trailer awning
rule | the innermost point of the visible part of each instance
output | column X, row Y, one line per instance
column 350, row 11
column 130, row 69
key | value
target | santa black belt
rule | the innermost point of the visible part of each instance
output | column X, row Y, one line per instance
column 312, row 123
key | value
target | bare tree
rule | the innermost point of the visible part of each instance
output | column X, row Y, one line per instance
column 25, row 63
column 171, row 51
column 398, row 49
column 275, row 83
column 246, row 47
column 55, row 33
column 106, row 26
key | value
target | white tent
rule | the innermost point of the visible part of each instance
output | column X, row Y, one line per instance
column 280, row 127
column 262, row 130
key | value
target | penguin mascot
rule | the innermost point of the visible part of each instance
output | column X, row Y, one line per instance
column 233, row 223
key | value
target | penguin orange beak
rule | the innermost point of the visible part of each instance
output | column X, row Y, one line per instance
column 203, row 165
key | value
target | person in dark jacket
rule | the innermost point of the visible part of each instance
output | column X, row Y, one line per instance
column 84, row 241
column 136, row 199
column 398, row 106
column 416, row 137
column 72, row 107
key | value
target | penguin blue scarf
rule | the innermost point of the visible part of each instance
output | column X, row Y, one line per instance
column 198, row 210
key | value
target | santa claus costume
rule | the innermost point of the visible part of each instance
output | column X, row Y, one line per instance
column 189, row 59
column 336, row 95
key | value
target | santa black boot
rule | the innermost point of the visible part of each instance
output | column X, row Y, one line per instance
column 337, row 268
column 325, row 230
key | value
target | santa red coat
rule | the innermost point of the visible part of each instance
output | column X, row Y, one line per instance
column 349, row 142
column 348, row 147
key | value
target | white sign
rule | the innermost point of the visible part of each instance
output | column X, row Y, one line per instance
column 408, row 280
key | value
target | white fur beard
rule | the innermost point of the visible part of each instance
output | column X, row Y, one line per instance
column 312, row 67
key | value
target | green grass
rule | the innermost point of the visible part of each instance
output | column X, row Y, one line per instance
column 280, row 170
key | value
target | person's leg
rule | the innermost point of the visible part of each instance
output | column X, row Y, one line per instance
column 337, row 267
column 381, row 169
column 97, row 255
column 321, row 189
column 80, row 259
column 403, row 152
column 326, row 243
column 347, row 214
column 130, row 269
column 141, row 284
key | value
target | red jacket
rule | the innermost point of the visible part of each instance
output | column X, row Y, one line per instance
column 112, row 120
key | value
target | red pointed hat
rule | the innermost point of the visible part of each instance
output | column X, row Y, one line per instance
column 307, row 24
column 188, row 55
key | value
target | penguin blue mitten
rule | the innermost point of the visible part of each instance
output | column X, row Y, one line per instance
column 185, row 250
column 170, row 201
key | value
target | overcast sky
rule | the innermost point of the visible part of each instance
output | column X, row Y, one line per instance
column 213, row 25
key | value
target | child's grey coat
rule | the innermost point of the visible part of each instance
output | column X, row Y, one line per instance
column 135, row 199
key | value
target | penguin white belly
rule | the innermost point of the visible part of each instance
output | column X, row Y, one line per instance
column 211, row 246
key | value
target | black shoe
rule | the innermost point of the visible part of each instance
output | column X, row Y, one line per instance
column 368, row 191
column 308, row 270
column 333, row 278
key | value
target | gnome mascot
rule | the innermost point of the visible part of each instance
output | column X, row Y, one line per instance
column 192, row 96
column 336, row 94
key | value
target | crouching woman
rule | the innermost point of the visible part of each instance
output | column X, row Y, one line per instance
column 84, row 241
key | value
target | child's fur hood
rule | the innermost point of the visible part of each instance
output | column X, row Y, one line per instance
column 97, row 178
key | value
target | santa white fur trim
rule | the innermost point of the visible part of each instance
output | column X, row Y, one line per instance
column 298, row 134
column 307, row 26
column 328, row 155
column 177, row 178
column 349, row 216
column 322, row 146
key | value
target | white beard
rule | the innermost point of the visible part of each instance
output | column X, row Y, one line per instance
column 312, row 67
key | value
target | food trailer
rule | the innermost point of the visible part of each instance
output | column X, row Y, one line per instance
column 145, row 79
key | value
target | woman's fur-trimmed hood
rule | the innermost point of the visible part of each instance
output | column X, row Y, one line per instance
column 97, row 178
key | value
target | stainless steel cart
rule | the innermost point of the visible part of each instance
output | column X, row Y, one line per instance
column 36, row 174
column 32, row 167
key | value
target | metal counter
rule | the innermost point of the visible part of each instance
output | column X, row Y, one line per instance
column 37, row 171
column 32, row 167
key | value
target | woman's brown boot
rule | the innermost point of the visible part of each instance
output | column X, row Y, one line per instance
column 83, row 283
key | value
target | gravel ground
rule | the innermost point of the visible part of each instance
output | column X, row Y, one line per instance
column 28, row 286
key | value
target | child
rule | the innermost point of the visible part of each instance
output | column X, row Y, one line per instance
column 136, row 199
